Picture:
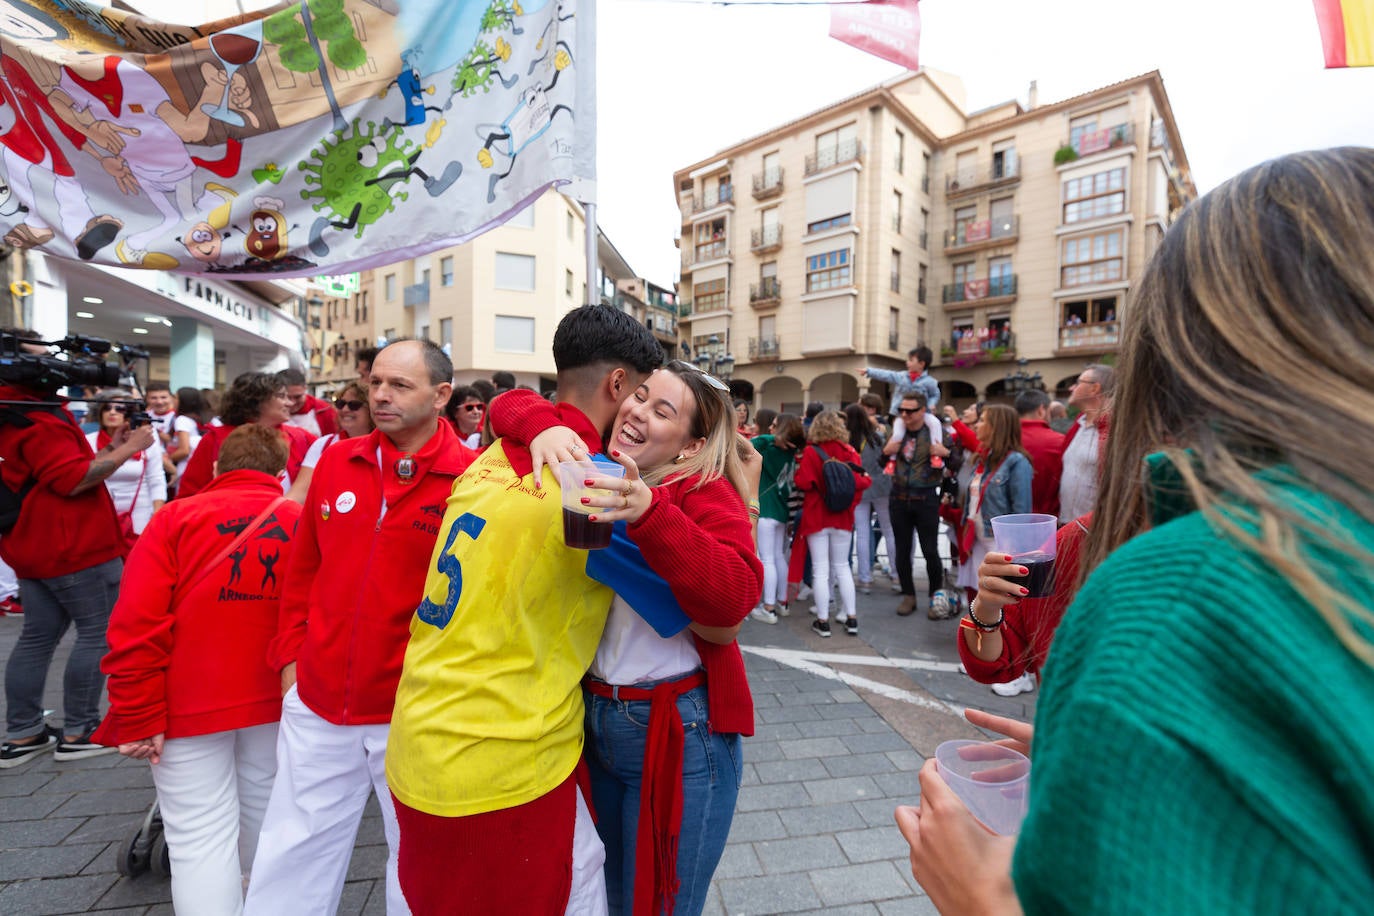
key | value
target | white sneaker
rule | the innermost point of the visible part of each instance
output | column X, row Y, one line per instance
column 763, row 615
column 1023, row 684
column 805, row 592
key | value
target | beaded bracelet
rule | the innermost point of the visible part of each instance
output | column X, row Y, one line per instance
column 987, row 627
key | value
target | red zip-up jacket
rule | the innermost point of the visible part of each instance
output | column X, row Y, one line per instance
column 356, row 577
column 56, row 533
column 193, row 664
column 200, row 468
column 1046, row 450
column 815, row 516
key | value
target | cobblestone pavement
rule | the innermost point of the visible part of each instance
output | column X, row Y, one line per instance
column 843, row 724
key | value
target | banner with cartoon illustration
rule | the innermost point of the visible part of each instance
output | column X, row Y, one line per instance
column 325, row 136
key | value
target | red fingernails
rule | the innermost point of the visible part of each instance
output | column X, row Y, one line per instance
column 1025, row 591
column 591, row 518
column 1023, row 572
column 615, row 454
column 586, row 500
column 586, row 483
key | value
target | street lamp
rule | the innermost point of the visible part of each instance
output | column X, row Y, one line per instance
column 712, row 358
column 1020, row 380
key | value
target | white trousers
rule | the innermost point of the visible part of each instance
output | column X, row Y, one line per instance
column 829, row 549
column 212, row 791
column 324, row 774
column 773, row 553
column 9, row 582
column 863, row 535
column 587, row 896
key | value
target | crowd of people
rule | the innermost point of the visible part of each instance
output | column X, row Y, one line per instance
column 326, row 602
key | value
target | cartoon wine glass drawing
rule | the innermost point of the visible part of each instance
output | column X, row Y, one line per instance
column 234, row 50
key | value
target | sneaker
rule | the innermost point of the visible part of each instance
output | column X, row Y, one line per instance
column 851, row 626
column 1023, row 684
column 907, row 606
column 896, row 587
column 11, row 606
column 941, row 608
column 821, row 628
column 13, row 755
column 763, row 615
column 865, row 588
column 79, row 748
column 784, row 610
column 805, row 592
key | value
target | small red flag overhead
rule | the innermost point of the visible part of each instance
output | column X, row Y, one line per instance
column 890, row 29
column 1347, row 30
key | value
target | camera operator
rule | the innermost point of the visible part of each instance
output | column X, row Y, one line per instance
column 66, row 548
column 139, row 485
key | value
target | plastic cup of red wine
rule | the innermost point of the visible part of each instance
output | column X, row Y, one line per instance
column 1029, row 539
column 579, row 530
column 992, row 780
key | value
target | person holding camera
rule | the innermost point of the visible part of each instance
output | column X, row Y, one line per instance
column 64, row 544
column 138, row 486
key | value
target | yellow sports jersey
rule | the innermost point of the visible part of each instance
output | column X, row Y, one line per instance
column 489, row 709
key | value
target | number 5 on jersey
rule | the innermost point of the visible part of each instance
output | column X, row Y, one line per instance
column 450, row 568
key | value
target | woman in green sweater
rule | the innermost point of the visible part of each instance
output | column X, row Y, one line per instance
column 778, row 446
column 1205, row 742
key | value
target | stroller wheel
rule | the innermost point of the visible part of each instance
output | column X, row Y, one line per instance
column 161, row 860
column 133, row 859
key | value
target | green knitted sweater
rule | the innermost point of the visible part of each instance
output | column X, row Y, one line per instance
column 1205, row 743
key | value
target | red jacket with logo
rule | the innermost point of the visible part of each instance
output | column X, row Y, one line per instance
column 200, row 468
column 56, row 534
column 192, row 663
column 356, row 577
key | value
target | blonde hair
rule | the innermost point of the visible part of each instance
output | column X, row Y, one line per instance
column 1246, row 345
column 828, row 426
column 713, row 419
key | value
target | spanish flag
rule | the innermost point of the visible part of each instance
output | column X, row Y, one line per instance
column 1347, row 28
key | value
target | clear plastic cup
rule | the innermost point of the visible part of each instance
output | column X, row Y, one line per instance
column 1030, row 541
column 992, row 780
column 578, row 530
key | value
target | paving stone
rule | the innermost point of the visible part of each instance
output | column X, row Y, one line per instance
column 49, row 832
column 53, row 896
column 849, row 788
column 874, row 844
column 878, row 812
column 828, row 728
column 146, row 889
column 777, row 771
column 781, row 731
column 368, row 862
column 907, row 760
column 107, row 862
column 88, row 780
column 818, row 820
column 813, row 747
column 785, row 714
column 768, row 894
column 875, row 725
column 749, row 826
column 24, row 783
column 107, row 828
column 858, row 883
column 376, row 901
column 858, row 765
column 825, row 697
column 354, row 898
column 919, row 905
column 765, row 700
column 129, row 911
column 161, row 909
column 798, row 854
column 739, row 860
column 859, row 909
column 713, row 906
column 47, row 862
column 29, row 809
column 748, row 776
column 109, row 801
column 757, row 749
column 762, row 798
column 844, row 711
column 903, row 786
column 882, row 741
column 371, row 831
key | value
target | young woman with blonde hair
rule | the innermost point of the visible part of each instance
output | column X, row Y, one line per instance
column 1203, row 740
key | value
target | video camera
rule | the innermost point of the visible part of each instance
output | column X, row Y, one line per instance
column 84, row 365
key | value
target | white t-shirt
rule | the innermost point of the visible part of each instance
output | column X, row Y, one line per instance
column 631, row 652
column 125, row 489
column 171, row 423
column 1078, row 482
column 474, row 441
column 312, row 456
column 306, row 421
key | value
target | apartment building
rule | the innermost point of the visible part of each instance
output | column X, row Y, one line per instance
column 493, row 302
column 1006, row 239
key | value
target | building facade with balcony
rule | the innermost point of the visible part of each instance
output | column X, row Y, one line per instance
column 895, row 217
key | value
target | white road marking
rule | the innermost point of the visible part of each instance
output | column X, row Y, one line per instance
column 808, row 662
column 786, row 656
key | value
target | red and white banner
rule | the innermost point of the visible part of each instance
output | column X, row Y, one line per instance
column 890, row 29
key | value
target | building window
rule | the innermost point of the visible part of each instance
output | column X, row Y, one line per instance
column 920, row 330
column 1095, row 196
column 899, row 153
column 570, row 224
column 389, row 333
column 833, row 222
column 446, row 271
column 1088, row 312
column 711, row 241
column 963, row 273
column 445, row 332
column 1000, row 279
column 962, row 217
column 925, row 227
column 1003, row 160
column 514, row 271
column 921, row 285
column 828, row 271
column 1089, row 324
column 514, row 334
column 524, row 219
column 896, row 211
column 422, row 332
column 389, row 287
column 925, row 172
column 709, row 296
column 894, row 323
column 568, row 283
column 1093, row 259
column 895, row 281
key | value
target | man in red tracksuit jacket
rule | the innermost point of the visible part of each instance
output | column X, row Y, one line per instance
column 190, row 687
column 1045, row 448
column 370, row 520
column 311, row 414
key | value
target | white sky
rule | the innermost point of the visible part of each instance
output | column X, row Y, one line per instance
column 682, row 79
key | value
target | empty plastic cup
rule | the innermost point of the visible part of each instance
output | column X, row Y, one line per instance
column 578, row 529
column 992, row 780
column 1030, row 541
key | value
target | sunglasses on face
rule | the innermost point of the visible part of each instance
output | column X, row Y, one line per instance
column 710, row 379
column 910, row 409
column 349, row 405
column 473, row 408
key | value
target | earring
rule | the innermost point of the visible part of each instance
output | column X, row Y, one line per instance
column 680, row 458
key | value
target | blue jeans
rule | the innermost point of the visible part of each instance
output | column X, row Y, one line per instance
column 712, row 767
column 84, row 598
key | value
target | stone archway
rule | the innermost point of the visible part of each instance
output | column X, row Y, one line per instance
column 1063, row 386
column 783, row 394
column 835, row 389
